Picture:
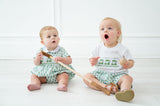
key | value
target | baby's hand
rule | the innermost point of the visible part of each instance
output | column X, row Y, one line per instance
column 37, row 60
column 125, row 63
column 56, row 59
column 93, row 60
column 122, row 61
column 39, row 56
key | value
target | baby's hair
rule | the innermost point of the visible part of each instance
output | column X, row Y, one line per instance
column 118, row 27
column 46, row 28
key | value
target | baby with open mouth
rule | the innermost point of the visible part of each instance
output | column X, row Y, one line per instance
column 109, row 73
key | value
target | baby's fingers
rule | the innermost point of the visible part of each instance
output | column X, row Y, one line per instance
column 126, row 65
column 58, row 59
column 95, row 58
column 92, row 63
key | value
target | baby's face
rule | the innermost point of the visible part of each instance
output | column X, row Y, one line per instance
column 109, row 33
column 50, row 39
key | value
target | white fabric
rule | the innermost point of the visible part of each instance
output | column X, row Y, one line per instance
column 53, row 51
column 109, row 57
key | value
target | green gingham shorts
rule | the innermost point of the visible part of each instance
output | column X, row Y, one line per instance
column 107, row 77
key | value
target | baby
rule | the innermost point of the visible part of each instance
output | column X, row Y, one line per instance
column 109, row 72
column 46, row 69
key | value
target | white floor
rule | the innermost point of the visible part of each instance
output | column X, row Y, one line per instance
column 15, row 75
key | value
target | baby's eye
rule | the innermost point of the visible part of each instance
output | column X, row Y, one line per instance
column 109, row 28
column 55, row 35
column 48, row 36
column 102, row 29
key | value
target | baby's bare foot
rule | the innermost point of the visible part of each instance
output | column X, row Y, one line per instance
column 62, row 88
column 112, row 87
column 32, row 87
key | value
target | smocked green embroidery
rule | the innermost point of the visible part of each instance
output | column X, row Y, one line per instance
column 114, row 62
column 49, row 60
column 101, row 61
column 107, row 62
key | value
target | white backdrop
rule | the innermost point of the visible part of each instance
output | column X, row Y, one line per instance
column 77, row 22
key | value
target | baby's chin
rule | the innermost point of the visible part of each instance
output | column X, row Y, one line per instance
column 52, row 47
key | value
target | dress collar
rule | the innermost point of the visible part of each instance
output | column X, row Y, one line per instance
column 53, row 51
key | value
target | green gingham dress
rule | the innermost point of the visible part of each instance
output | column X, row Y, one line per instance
column 49, row 69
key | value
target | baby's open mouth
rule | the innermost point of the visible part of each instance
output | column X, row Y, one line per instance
column 106, row 36
column 53, row 41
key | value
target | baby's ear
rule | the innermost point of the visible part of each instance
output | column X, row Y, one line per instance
column 119, row 33
column 41, row 41
column 59, row 38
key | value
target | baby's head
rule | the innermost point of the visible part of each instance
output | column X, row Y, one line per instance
column 110, row 31
column 49, row 37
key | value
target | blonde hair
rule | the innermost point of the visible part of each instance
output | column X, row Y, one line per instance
column 118, row 27
column 46, row 28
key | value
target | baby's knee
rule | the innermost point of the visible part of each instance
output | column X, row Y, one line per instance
column 34, row 76
column 129, row 78
column 89, row 76
column 62, row 75
column 65, row 74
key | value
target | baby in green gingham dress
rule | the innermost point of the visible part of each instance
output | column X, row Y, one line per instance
column 46, row 69
column 49, row 68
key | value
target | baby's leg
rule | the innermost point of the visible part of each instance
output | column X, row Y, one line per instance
column 93, row 78
column 125, row 82
column 126, row 93
column 36, row 82
column 62, row 81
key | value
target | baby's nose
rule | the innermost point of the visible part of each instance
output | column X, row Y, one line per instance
column 105, row 30
column 52, row 36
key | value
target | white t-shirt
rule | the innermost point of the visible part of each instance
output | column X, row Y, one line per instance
column 109, row 57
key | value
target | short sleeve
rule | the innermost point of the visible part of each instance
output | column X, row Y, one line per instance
column 95, row 52
column 37, row 53
column 128, row 55
column 64, row 52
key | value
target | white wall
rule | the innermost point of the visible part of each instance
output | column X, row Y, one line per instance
column 77, row 21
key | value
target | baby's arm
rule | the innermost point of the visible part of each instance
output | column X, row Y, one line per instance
column 37, row 60
column 65, row 60
column 93, row 60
